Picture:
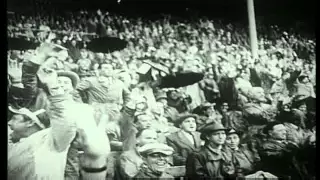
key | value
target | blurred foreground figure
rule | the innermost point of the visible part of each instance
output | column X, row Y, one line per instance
column 40, row 153
column 281, row 156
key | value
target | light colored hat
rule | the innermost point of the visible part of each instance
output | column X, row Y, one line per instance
column 152, row 148
column 73, row 77
column 31, row 115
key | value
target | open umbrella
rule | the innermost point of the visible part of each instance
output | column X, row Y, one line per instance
column 21, row 44
column 180, row 79
column 106, row 44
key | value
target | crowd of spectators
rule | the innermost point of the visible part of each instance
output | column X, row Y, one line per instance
column 245, row 116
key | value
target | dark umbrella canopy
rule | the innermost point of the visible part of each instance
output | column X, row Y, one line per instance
column 180, row 80
column 21, row 44
column 106, row 45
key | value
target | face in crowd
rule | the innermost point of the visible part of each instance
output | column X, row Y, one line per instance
column 217, row 137
column 278, row 132
column 84, row 54
column 143, row 121
column 174, row 95
column 225, row 107
column 303, row 108
column 209, row 110
column 146, row 136
column 106, row 70
column 163, row 101
column 19, row 124
column 74, row 43
column 233, row 141
column 65, row 83
column 189, row 124
column 157, row 162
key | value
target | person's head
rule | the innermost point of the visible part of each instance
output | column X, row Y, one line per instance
column 303, row 79
column 285, row 106
column 276, row 130
column 65, row 83
column 162, row 98
column 208, row 108
column 59, row 42
column 245, row 75
column 146, row 136
column 106, row 70
column 302, row 107
column 142, row 120
column 23, row 123
column 156, row 156
column 257, row 94
column 224, row 107
column 84, row 64
column 68, row 80
column 187, row 122
column 214, row 134
column 73, row 42
column 158, row 110
column 285, row 75
column 84, row 54
column 233, row 139
column 164, row 101
column 65, row 39
column 174, row 95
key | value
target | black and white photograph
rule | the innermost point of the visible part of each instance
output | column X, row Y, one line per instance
column 161, row 89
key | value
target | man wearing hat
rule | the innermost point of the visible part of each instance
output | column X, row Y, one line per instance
column 69, row 80
column 212, row 160
column 303, row 86
column 245, row 159
column 186, row 140
column 169, row 112
column 25, row 158
column 156, row 157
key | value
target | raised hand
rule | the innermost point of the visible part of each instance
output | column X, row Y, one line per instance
column 15, row 71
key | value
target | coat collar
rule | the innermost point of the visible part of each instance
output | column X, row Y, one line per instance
column 213, row 154
column 186, row 141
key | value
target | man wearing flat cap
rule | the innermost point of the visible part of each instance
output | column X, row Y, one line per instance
column 212, row 160
column 156, row 157
column 185, row 141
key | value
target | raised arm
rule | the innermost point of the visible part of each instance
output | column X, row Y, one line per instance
column 63, row 124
